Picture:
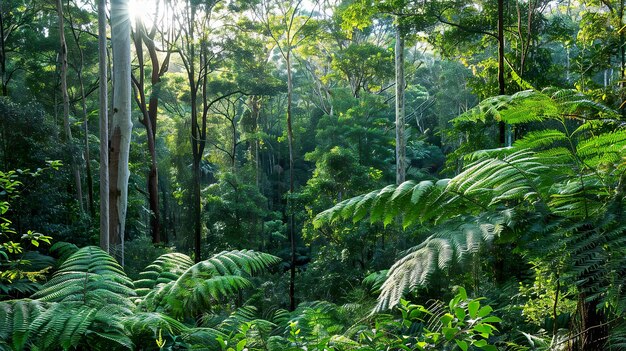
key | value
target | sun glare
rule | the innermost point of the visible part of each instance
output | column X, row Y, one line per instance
column 142, row 10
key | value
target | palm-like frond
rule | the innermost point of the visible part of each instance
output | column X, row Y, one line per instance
column 163, row 270
column 16, row 318
column 569, row 174
column 63, row 250
column 451, row 244
column 89, row 276
column 199, row 286
column 483, row 184
column 68, row 324
column 522, row 107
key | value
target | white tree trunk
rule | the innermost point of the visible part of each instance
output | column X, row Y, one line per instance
column 400, row 139
column 104, row 127
column 121, row 125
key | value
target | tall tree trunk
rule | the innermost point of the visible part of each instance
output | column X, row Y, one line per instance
column 121, row 126
column 197, row 208
column 3, row 59
column 149, row 111
column 83, row 100
column 400, row 139
column 292, row 234
column 197, row 146
column 66, row 106
column 501, row 82
column 104, row 127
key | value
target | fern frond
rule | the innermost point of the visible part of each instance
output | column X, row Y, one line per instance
column 449, row 245
column 16, row 317
column 608, row 147
column 540, row 139
column 85, row 272
column 206, row 282
column 142, row 322
column 203, row 339
column 241, row 315
column 164, row 269
column 63, row 250
column 522, row 107
column 374, row 281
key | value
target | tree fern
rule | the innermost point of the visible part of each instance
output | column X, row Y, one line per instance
column 451, row 244
column 89, row 276
column 163, row 270
column 62, row 251
column 561, row 178
column 199, row 286
column 68, row 324
column 16, row 318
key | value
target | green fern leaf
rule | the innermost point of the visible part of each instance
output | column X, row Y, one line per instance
column 206, row 282
column 448, row 246
column 87, row 270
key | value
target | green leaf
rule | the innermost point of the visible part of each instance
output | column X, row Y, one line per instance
column 449, row 333
column 462, row 344
column 446, row 319
column 480, row 343
column 460, row 313
column 473, row 308
column 484, row 311
column 491, row 319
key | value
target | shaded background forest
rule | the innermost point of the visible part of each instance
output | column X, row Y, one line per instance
column 338, row 57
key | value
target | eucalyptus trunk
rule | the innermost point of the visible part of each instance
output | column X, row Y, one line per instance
column 103, row 115
column 121, row 126
column 66, row 106
column 400, row 112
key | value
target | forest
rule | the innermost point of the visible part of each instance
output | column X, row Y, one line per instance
column 244, row 175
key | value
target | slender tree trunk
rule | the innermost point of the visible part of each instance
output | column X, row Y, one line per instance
column 196, row 142
column 90, row 202
column 255, row 110
column 292, row 234
column 66, row 106
column 3, row 59
column 197, row 208
column 400, row 139
column 622, row 45
column 83, row 99
column 164, row 228
column 121, row 126
column 501, row 82
column 104, row 127
column 149, row 111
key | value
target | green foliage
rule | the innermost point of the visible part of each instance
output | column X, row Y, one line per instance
column 21, row 265
column 89, row 276
column 465, row 323
column 183, row 290
column 235, row 210
column 556, row 194
column 91, row 301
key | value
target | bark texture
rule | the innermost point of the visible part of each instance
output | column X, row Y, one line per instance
column 104, row 127
column 400, row 139
column 121, row 127
column 66, row 106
